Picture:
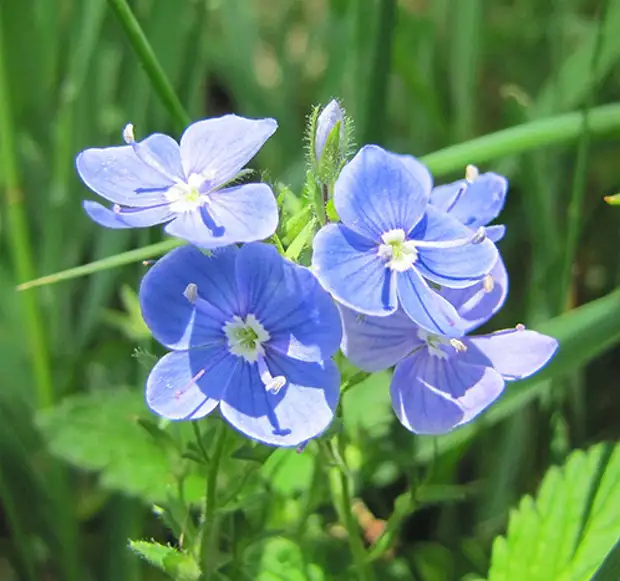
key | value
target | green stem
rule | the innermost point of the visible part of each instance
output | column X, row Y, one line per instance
column 153, row 69
column 129, row 257
column 340, row 485
column 19, row 242
column 574, row 213
column 208, row 542
column 528, row 136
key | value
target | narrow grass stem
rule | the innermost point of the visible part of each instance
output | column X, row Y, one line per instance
column 574, row 213
column 19, row 241
column 153, row 69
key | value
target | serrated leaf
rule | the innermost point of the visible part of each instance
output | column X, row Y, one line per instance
column 566, row 532
column 100, row 431
column 178, row 565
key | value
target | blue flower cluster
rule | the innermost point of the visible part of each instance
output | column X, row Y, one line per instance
column 402, row 278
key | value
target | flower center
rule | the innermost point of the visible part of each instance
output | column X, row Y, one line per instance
column 246, row 338
column 398, row 252
column 438, row 346
column 186, row 197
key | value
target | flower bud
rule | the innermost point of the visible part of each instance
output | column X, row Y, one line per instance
column 329, row 117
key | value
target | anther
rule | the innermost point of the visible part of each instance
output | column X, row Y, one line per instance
column 191, row 292
column 471, row 173
column 479, row 236
column 520, row 327
column 116, row 208
column 128, row 134
column 458, row 345
column 488, row 283
column 272, row 384
column 148, row 262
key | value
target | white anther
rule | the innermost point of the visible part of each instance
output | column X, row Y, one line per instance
column 191, row 292
column 128, row 134
column 479, row 236
column 458, row 345
column 471, row 173
column 520, row 327
column 116, row 208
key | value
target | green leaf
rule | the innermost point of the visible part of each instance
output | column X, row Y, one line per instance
column 178, row 565
column 101, row 431
column 564, row 533
column 281, row 559
column 301, row 241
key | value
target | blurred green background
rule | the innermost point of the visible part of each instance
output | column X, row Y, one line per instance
column 416, row 76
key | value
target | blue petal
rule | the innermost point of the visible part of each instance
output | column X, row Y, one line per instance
column 495, row 233
column 431, row 395
column 375, row 193
column 125, row 218
column 515, row 353
column 474, row 304
column 176, row 322
column 300, row 411
column 219, row 148
column 472, row 203
column 118, row 174
column 348, row 267
column 287, row 299
column 187, row 385
column 244, row 213
column 417, row 169
column 452, row 267
column 376, row 343
column 426, row 308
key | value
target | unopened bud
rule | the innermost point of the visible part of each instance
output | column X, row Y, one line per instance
column 331, row 115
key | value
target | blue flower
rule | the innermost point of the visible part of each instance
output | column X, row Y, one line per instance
column 158, row 180
column 440, row 383
column 474, row 201
column 391, row 241
column 250, row 332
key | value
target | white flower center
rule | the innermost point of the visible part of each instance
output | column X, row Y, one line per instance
column 398, row 252
column 246, row 338
column 435, row 342
column 186, row 197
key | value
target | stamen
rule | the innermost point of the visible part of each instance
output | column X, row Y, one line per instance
column 128, row 134
column 192, row 381
column 520, row 327
column 458, row 345
column 272, row 384
column 488, row 283
column 471, row 173
column 116, row 208
column 145, row 155
column 191, row 292
column 476, row 238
